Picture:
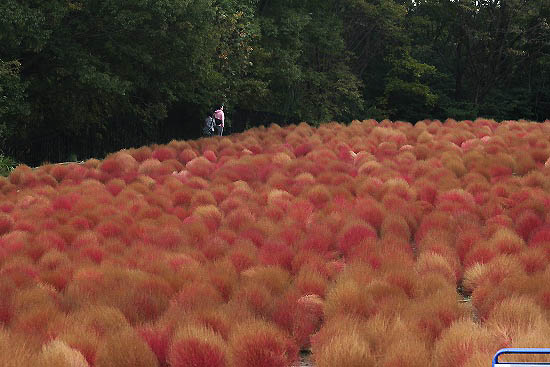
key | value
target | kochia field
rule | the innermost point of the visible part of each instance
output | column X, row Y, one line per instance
column 370, row 244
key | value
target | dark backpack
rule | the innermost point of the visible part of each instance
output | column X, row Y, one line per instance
column 208, row 125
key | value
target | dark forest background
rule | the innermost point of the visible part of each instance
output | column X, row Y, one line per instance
column 84, row 78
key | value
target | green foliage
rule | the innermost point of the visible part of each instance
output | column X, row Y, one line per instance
column 7, row 164
column 238, row 35
column 89, row 64
column 306, row 61
column 12, row 99
column 484, row 50
column 113, row 73
column 406, row 89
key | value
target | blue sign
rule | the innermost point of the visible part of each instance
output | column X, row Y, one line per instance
column 523, row 351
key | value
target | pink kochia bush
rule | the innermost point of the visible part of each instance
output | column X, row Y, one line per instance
column 358, row 242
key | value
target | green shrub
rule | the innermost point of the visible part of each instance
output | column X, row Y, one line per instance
column 7, row 164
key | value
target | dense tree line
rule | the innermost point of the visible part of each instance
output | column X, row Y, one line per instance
column 97, row 75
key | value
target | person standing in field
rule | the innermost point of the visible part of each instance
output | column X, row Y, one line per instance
column 220, row 120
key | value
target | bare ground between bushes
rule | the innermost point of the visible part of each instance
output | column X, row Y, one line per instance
column 466, row 297
column 305, row 359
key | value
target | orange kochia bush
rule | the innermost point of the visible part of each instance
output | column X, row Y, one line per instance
column 363, row 242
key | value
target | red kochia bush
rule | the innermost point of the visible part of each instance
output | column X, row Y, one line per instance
column 125, row 348
column 149, row 166
column 348, row 296
column 217, row 320
column 141, row 154
column 210, row 214
column 254, row 234
column 223, row 275
column 515, row 315
column 139, row 295
column 6, row 223
column 276, row 253
column 259, row 344
column 429, row 262
column 6, row 207
column 14, row 242
column 352, row 235
column 256, row 298
column 466, row 240
column 65, row 202
column 86, row 238
column 200, row 166
column 526, row 223
column 498, row 222
column 299, row 316
column 534, row 259
column 109, row 228
column 94, row 253
column 26, row 225
column 408, row 351
column 434, row 313
column 436, row 220
column 290, row 233
column 317, row 238
column 457, row 196
column 45, row 241
column 198, row 346
column 195, row 296
column 240, row 218
column 115, row 186
column 303, row 149
column 319, row 195
column 370, row 211
column 210, row 155
column 112, row 167
column 167, row 237
column 59, row 172
column 481, row 253
column 23, row 175
column 7, row 289
column 540, row 237
column 164, row 153
column 77, row 173
column 301, row 211
column 202, row 197
column 182, row 197
column 158, row 340
column 395, row 226
column 344, row 342
column 242, row 259
column 461, row 341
